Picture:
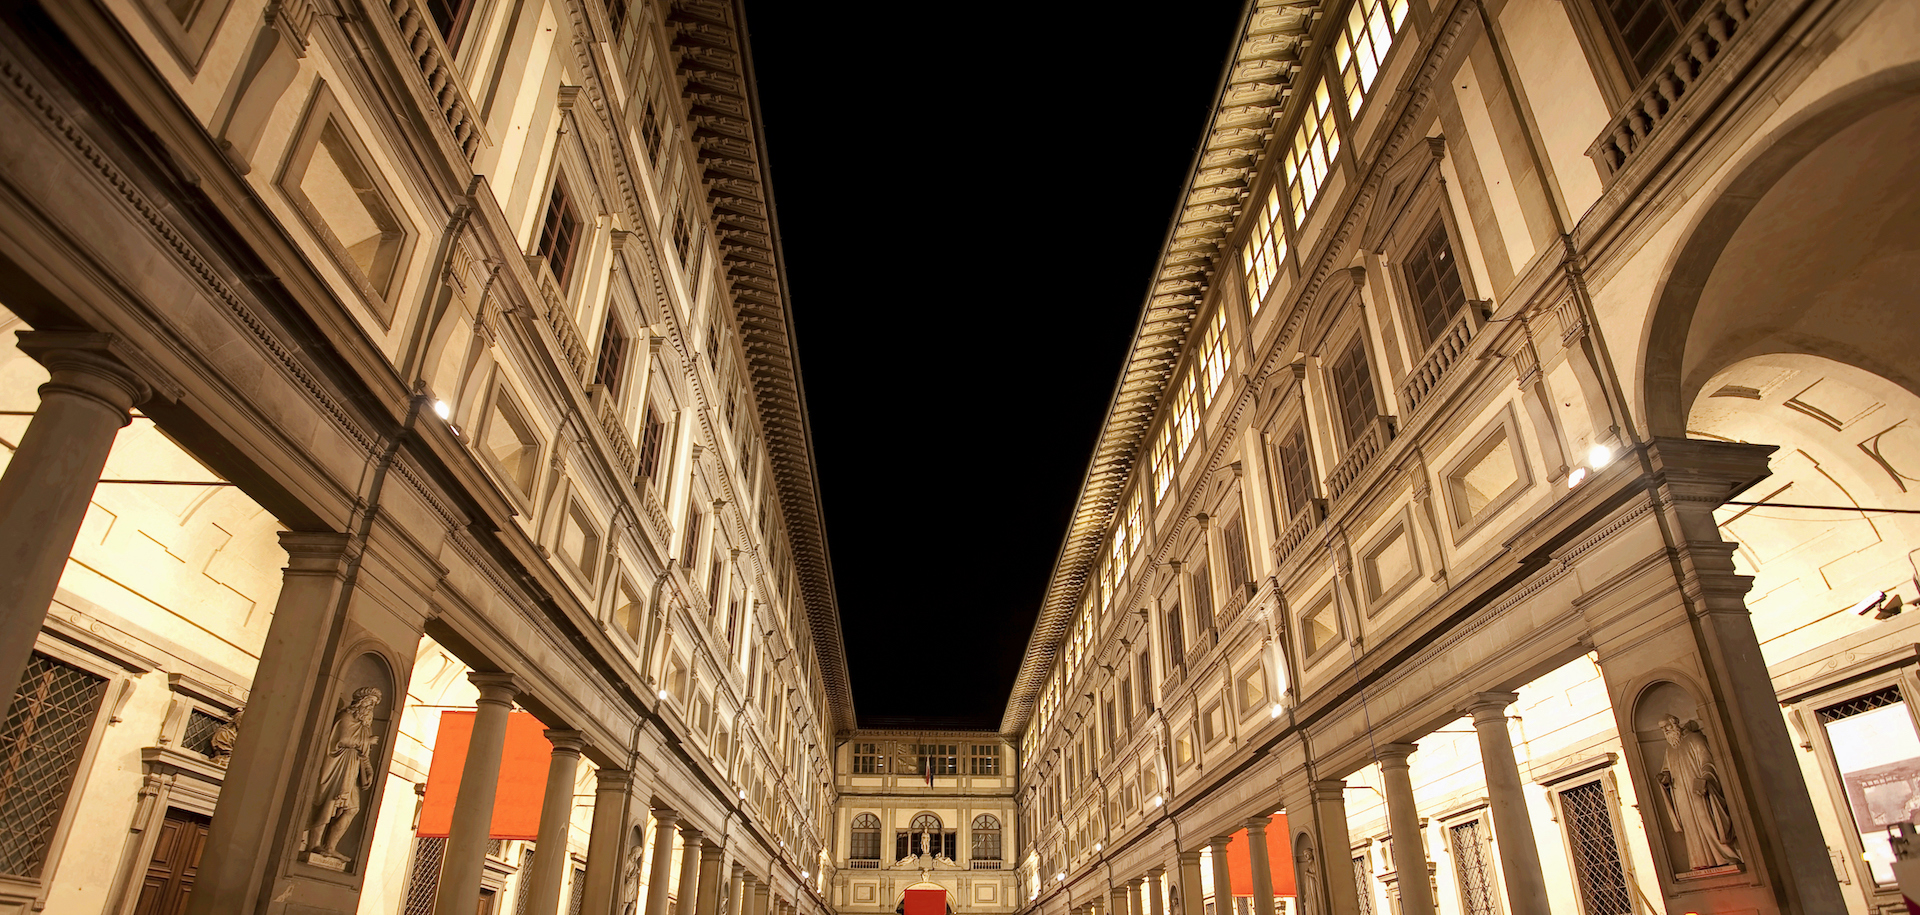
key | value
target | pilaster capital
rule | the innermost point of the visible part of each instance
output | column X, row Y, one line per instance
column 497, row 688
column 565, row 741
column 612, row 779
column 1394, row 755
column 1156, row 872
column 1257, row 826
column 1490, row 708
column 315, row 551
column 1329, row 789
column 1190, row 857
column 692, row 835
column 1219, row 843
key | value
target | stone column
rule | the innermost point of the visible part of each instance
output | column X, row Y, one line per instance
column 1192, row 901
column 664, row 822
column 259, row 813
column 1156, row 899
column 762, row 896
column 710, row 855
column 606, row 835
column 1519, row 854
column 1336, row 864
column 735, row 889
column 1403, row 818
column 1117, row 904
column 51, row 477
column 466, row 853
column 1135, row 889
column 1261, row 864
column 688, row 892
column 556, row 818
column 1222, row 876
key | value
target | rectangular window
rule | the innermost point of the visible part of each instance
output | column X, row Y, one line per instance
column 423, row 877
column 1472, row 847
column 1215, row 357
column 866, row 845
column 1597, row 866
column 938, row 758
column 1295, row 473
column 1361, row 48
column 1233, row 541
column 558, row 233
column 450, row 18
column 1319, row 628
column 1644, row 31
column 579, row 540
column 1163, row 460
column 653, row 434
column 1265, row 249
column 1877, row 755
column 48, row 725
column 714, row 566
column 983, row 759
column 1310, row 158
column 690, row 541
column 1252, row 689
column 1175, row 636
column 1144, row 663
column 1202, row 596
column 1126, row 702
column 650, row 133
column 1362, row 886
column 1106, row 715
column 617, row 21
column 613, row 354
column 1186, row 411
column 1433, row 282
column 1353, row 392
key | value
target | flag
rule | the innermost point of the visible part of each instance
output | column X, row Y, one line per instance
column 523, row 776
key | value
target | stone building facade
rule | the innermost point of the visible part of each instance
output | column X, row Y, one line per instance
column 395, row 357
column 1495, row 488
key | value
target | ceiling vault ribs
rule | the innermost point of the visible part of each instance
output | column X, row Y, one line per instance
column 714, row 64
column 1251, row 92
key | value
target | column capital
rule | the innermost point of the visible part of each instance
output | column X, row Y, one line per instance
column 1219, row 843
column 711, row 851
column 1394, row 755
column 103, row 367
column 665, row 818
column 314, row 551
column 1488, row 708
column 1329, row 789
column 1258, row 824
column 565, row 741
column 1190, row 857
column 502, row 688
column 690, row 833
column 739, row 869
column 1137, row 882
column 612, row 779
column 1155, row 872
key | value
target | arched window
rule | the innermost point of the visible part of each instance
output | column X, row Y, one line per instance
column 986, row 838
column 925, row 835
column 866, row 840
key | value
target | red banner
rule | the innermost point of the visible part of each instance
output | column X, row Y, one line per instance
column 926, row 902
column 1240, row 862
column 523, row 776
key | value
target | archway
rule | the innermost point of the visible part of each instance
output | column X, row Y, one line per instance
column 1809, row 247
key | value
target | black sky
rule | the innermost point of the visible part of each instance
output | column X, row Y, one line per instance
column 970, row 208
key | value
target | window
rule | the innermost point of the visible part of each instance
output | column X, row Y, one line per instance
column 938, row 758
column 677, row 678
column 1595, row 848
column 1643, row 31
column 866, row 838
column 1175, row 636
column 1233, row 541
column 331, row 182
column 558, row 232
column 653, row 434
column 423, row 878
column 1363, row 888
column 1183, row 750
column 1353, row 392
column 1265, row 249
column 1126, row 700
column 1202, row 596
column 682, row 235
column 1309, row 160
column 986, row 838
column 983, row 759
column 509, row 441
column 1163, row 460
column 1362, row 47
column 1145, row 679
column 1471, row 846
column 1186, row 411
column 690, row 541
column 1874, row 743
column 450, row 19
column 627, row 612
column 1106, row 711
column 613, row 354
column 1484, row 477
column 1215, row 357
column 46, row 732
column 1295, row 473
column 1433, row 282
column 617, row 20
column 650, row 133
column 714, row 567
column 579, row 540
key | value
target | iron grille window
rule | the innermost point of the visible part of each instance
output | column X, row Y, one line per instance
column 198, row 736
column 986, row 838
column 1202, row 595
column 423, row 879
column 983, row 759
column 1295, row 472
column 1470, row 859
column 866, row 838
column 1597, row 868
column 613, row 355
column 558, row 232
column 1353, row 391
column 525, row 890
column 1362, row 890
column 1645, row 30
column 1860, row 705
column 45, row 735
column 1434, row 280
column 653, row 433
column 577, row 895
column 1233, row 538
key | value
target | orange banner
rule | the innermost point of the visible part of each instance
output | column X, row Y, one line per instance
column 1240, row 863
column 523, row 776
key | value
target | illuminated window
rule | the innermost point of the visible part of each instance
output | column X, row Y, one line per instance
column 1186, row 412
column 1265, row 248
column 1362, row 46
column 1214, row 355
column 1310, row 157
column 1163, row 460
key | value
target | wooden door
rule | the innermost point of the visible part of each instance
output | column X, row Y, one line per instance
column 176, row 859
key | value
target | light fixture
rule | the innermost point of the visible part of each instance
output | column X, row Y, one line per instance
column 663, row 694
column 1158, row 800
column 1098, row 845
column 1598, row 456
column 1871, row 604
column 1060, row 876
column 1576, row 476
column 442, row 409
column 743, row 794
column 1276, row 711
column 804, row 875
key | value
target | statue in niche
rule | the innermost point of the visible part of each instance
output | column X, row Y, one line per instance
column 1308, row 879
column 346, row 774
column 630, row 879
column 224, row 737
column 1695, row 800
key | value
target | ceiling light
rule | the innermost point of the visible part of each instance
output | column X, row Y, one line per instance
column 1577, row 476
column 1598, row 456
column 1098, row 845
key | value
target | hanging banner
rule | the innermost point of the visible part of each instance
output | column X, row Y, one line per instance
column 1280, row 862
column 926, row 902
column 523, row 776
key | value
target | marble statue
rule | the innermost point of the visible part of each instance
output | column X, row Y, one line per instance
column 346, row 774
column 1695, row 799
column 224, row 737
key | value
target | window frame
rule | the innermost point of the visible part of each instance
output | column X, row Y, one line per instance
column 1896, row 669
column 559, row 191
column 1602, row 776
column 1326, row 599
column 189, row 40
column 502, row 391
column 1479, row 447
column 1349, row 430
column 1381, row 593
column 379, row 294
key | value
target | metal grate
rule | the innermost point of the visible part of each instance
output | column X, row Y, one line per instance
column 40, row 745
column 526, row 880
column 579, row 892
column 1361, row 887
column 198, row 736
column 424, row 882
column 497, row 848
column 1596, row 851
column 1861, row 705
column 1470, row 859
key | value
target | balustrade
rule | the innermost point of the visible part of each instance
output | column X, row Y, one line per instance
column 418, row 39
column 1441, row 356
column 1360, row 455
column 1706, row 42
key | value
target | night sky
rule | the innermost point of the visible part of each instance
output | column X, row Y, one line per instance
column 970, row 208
